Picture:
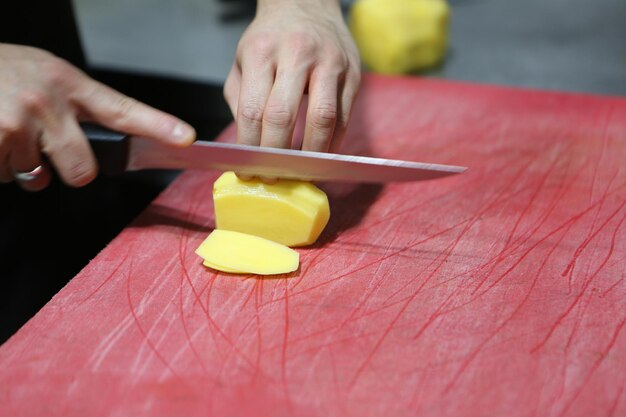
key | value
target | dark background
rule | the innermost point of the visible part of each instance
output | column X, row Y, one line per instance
column 175, row 55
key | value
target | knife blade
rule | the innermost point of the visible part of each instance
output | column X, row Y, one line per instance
column 117, row 153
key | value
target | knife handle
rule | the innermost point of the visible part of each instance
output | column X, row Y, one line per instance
column 111, row 148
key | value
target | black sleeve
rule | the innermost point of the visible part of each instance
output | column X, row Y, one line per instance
column 46, row 24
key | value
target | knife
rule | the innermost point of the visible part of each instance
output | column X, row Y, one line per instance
column 117, row 153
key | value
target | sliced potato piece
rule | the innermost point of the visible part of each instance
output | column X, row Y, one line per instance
column 293, row 213
column 236, row 252
column 222, row 268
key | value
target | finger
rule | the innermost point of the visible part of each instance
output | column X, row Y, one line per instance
column 19, row 147
column 36, row 179
column 69, row 152
column 244, row 177
column 349, row 93
column 256, row 84
column 282, row 108
column 6, row 175
column 232, row 87
column 25, row 159
column 321, row 116
column 5, row 167
column 104, row 105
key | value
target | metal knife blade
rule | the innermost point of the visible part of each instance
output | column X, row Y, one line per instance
column 140, row 153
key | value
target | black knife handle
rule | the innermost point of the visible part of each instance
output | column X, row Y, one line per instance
column 111, row 148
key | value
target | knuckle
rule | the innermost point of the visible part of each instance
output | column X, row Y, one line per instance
column 302, row 44
column 123, row 107
column 278, row 116
column 354, row 59
column 34, row 102
column 336, row 57
column 262, row 46
column 251, row 113
column 57, row 71
column 324, row 116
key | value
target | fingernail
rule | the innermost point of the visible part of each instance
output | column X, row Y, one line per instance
column 244, row 177
column 183, row 133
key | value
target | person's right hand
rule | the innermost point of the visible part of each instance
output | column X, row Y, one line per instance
column 42, row 100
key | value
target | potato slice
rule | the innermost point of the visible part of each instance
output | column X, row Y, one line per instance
column 293, row 213
column 222, row 268
column 236, row 252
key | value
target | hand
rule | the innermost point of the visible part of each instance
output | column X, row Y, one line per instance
column 42, row 100
column 292, row 48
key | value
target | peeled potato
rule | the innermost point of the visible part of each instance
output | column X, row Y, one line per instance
column 293, row 213
column 236, row 252
column 400, row 36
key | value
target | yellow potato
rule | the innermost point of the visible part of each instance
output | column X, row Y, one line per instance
column 293, row 213
column 222, row 268
column 235, row 252
column 400, row 36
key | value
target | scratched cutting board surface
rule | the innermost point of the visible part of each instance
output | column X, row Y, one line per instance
column 501, row 291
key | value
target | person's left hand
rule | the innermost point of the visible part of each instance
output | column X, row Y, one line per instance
column 294, row 48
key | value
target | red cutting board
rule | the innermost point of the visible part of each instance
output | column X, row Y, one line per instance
column 498, row 292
